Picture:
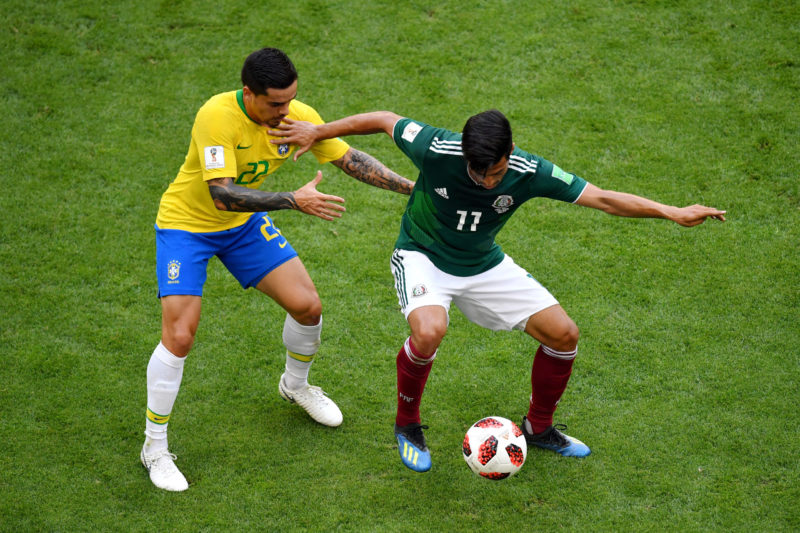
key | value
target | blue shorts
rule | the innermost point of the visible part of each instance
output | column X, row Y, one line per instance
column 249, row 252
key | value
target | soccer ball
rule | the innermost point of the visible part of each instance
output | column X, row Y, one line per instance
column 494, row 447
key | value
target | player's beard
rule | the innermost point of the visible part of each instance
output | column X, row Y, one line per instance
column 275, row 122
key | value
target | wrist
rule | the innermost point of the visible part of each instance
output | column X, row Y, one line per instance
column 672, row 213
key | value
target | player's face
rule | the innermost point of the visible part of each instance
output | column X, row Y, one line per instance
column 269, row 109
column 493, row 175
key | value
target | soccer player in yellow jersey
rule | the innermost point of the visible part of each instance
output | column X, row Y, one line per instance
column 214, row 207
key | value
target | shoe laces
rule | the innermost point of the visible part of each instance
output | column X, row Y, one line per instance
column 163, row 466
column 557, row 435
column 554, row 436
column 318, row 394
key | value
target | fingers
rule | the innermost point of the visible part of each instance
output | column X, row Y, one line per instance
column 313, row 202
column 701, row 212
column 282, row 131
column 325, row 208
column 286, row 128
column 328, row 212
column 293, row 132
column 299, row 152
column 286, row 124
column 715, row 214
column 327, row 197
column 696, row 214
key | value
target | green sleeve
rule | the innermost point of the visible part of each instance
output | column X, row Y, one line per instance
column 413, row 138
column 553, row 182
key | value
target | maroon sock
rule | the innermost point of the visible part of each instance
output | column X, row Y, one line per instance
column 549, row 377
column 412, row 374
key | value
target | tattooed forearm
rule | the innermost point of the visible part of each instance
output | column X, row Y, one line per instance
column 230, row 197
column 366, row 168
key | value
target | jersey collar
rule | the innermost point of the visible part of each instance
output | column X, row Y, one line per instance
column 240, row 101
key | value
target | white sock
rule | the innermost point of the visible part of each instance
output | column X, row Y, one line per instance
column 296, row 375
column 164, row 373
column 302, row 343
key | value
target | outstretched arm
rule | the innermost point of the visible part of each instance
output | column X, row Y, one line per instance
column 629, row 205
column 355, row 163
column 304, row 134
column 366, row 168
column 228, row 196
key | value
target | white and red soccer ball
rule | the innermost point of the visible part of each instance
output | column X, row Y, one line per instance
column 494, row 447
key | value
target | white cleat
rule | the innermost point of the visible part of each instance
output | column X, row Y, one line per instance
column 163, row 472
column 315, row 402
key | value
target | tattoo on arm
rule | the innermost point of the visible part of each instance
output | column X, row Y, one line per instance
column 230, row 197
column 366, row 168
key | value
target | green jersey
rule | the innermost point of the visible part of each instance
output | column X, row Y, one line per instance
column 454, row 221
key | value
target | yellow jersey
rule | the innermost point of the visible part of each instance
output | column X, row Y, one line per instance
column 226, row 143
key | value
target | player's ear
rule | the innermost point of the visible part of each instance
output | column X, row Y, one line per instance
column 512, row 148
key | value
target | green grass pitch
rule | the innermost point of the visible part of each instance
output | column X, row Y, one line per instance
column 686, row 382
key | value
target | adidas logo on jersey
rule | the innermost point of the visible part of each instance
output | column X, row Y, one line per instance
column 442, row 191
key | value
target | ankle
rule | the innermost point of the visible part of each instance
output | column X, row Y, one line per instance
column 154, row 445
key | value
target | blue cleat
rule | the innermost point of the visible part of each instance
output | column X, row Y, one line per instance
column 411, row 445
column 553, row 439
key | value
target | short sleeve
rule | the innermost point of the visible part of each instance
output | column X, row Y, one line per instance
column 213, row 133
column 552, row 182
column 413, row 138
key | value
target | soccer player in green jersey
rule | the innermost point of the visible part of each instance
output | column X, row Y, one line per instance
column 468, row 187
column 214, row 207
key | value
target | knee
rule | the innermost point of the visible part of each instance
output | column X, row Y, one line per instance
column 307, row 312
column 178, row 341
column 567, row 337
column 428, row 336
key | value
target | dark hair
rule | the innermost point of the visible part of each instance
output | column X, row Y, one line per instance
column 486, row 139
column 268, row 68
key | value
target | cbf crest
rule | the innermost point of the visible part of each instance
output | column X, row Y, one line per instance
column 173, row 271
column 503, row 203
column 283, row 149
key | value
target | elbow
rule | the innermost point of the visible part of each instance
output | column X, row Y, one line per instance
column 611, row 210
column 220, row 204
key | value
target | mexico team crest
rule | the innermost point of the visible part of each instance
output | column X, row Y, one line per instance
column 503, row 203
column 419, row 290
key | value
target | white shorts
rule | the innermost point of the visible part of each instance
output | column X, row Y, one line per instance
column 502, row 298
